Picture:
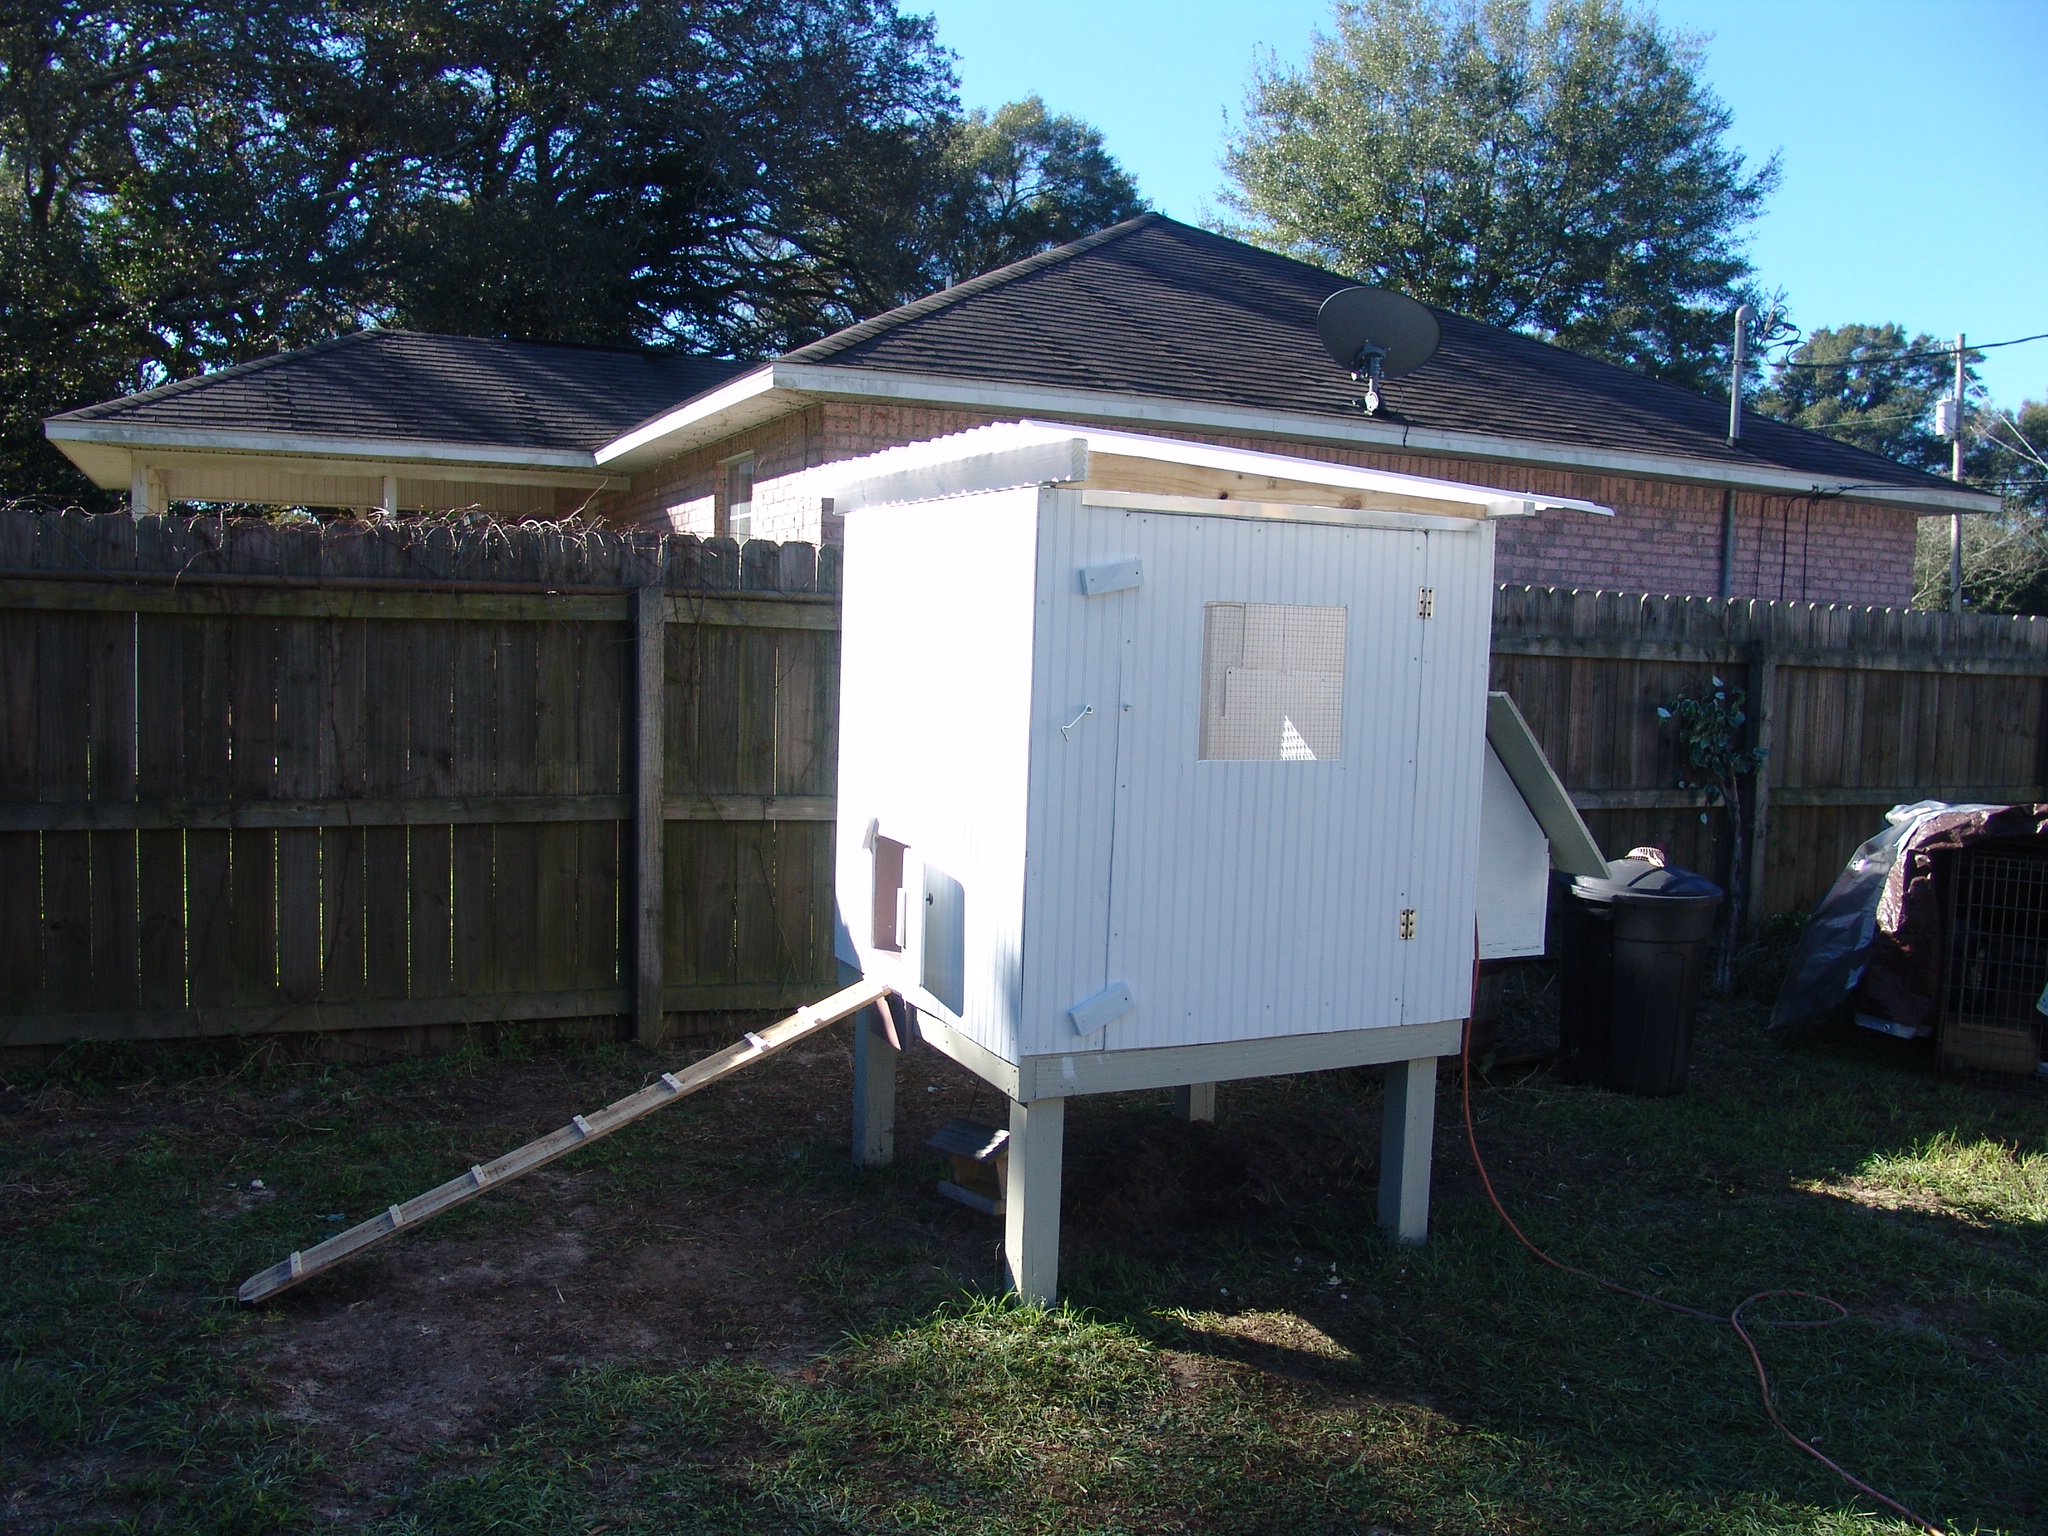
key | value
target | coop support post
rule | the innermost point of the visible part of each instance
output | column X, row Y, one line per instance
column 1406, row 1135
column 874, row 1093
column 1195, row 1101
column 650, row 634
column 1031, row 1199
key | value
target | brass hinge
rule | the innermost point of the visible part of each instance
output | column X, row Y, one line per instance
column 1425, row 603
column 1407, row 922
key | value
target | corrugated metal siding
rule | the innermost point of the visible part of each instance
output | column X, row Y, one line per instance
column 1078, row 653
column 1253, row 899
column 934, row 739
column 1450, row 776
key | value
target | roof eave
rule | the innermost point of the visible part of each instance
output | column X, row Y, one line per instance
column 781, row 386
column 733, row 406
column 88, row 443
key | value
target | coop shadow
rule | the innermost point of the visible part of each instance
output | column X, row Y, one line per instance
column 1164, row 1216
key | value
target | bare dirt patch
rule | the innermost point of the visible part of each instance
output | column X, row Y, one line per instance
column 436, row 1340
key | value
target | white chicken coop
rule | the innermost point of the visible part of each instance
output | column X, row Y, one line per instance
column 1162, row 765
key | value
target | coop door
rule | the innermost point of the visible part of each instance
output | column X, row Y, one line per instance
column 1448, row 747
column 945, row 938
column 1266, row 767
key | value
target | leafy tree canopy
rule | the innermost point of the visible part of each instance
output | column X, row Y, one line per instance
column 2010, row 456
column 1871, row 386
column 184, row 185
column 2005, row 556
column 1561, row 172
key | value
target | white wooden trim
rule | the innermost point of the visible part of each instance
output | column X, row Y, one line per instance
column 1001, row 469
column 1071, row 1074
column 1281, row 511
column 984, row 1063
column 670, row 433
column 313, row 445
column 780, row 387
column 1007, row 455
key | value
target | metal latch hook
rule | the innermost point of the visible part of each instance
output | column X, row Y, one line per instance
column 1086, row 711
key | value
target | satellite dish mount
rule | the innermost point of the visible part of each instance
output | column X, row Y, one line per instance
column 1369, row 365
column 1373, row 334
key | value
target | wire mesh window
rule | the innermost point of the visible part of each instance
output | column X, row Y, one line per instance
column 1997, row 940
column 1272, row 682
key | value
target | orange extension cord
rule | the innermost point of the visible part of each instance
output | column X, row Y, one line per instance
column 1733, row 1319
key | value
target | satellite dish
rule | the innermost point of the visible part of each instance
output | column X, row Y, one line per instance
column 1374, row 334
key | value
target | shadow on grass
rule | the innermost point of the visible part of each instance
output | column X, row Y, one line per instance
column 746, row 1335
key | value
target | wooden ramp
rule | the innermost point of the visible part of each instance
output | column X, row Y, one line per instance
column 581, row 1130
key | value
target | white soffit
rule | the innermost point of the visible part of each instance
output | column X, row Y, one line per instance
column 1572, row 848
column 1014, row 454
column 734, row 406
column 775, row 388
column 142, row 441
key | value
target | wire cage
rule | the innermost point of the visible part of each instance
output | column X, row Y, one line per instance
column 1996, row 961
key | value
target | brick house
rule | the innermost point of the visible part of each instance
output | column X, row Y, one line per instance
column 1150, row 325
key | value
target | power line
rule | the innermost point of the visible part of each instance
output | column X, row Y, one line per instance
column 1908, row 357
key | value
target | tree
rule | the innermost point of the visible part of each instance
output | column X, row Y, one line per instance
column 1710, row 732
column 2005, row 555
column 1024, row 180
column 2010, row 455
column 160, row 211
column 1868, row 385
column 621, row 171
column 1871, row 386
column 193, row 184
column 981, row 191
column 1562, row 173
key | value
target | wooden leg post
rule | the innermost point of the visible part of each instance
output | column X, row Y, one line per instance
column 874, row 1093
column 1031, row 1199
column 1195, row 1101
column 650, row 639
column 1406, row 1135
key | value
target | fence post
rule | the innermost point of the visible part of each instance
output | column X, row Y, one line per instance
column 650, row 637
column 1764, row 704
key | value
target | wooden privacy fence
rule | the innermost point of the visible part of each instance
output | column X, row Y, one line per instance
column 258, row 777
column 1860, row 709
column 261, row 777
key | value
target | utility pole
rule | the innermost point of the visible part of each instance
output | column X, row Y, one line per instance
column 1955, row 473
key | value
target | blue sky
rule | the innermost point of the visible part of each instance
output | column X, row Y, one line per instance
column 1914, row 134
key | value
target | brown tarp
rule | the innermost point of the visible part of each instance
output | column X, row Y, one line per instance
column 1902, row 978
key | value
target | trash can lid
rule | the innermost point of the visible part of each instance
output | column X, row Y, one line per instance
column 1638, row 879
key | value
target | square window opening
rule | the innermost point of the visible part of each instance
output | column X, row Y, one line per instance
column 1272, row 682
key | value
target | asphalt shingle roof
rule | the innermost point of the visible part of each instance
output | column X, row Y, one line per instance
column 1154, row 307
column 414, row 387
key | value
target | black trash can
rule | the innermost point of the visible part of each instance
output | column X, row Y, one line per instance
column 1633, row 957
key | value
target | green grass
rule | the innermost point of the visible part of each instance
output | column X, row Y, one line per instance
column 1984, row 1179
column 1239, row 1351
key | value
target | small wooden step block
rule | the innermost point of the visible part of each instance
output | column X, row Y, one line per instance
column 981, row 1158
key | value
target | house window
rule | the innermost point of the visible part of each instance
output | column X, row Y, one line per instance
column 1272, row 682
column 739, row 498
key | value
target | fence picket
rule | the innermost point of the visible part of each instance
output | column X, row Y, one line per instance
column 184, row 704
